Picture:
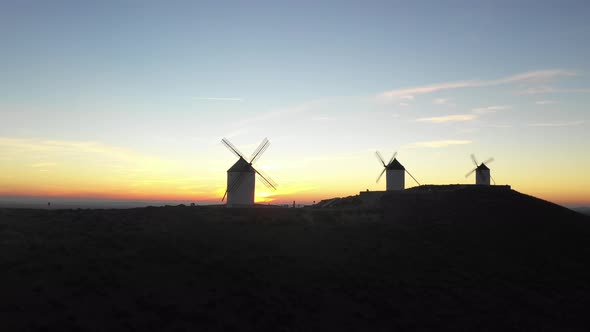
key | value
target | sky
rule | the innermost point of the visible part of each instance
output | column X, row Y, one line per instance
column 130, row 99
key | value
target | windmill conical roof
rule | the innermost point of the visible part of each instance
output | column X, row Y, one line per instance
column 395, row 165
column 241, row 166
column 482, row 167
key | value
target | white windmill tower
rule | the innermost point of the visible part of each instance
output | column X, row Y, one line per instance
column 395, row 177
column 240, row 177
column 482, row 172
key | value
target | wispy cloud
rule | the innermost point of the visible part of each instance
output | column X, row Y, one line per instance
column 490, row 109
column 233, row 134
column 448, row 118
column 418, row 90
column 60, row 147
column 530, row 77
column 281, row 112
column 443, row 101
column 38, row 165
column 219, row 98
column 535, row 76
column 536, row 90
column 321, row 118
column 498, row 126
column 333, row 157
column 475, row 113
column 545, row 102
column 439, row 143
column 548, row 89
column 557, row 124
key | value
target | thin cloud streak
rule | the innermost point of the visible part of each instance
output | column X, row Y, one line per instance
column 322, row 118
column 439, row 143
column 475, row 113
column 24, row 145
column 38, row 165
column 545, row 102
column 547, row 90
column 490, row 109
column 283, row 112
column 443, row 101
column 556, row 124
column 448, row 118
column 534, row 76
column 499, row 126
column 219, row 98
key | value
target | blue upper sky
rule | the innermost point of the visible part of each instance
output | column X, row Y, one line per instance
column 277, row 50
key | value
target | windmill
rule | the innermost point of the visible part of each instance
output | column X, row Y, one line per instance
column 240, row 177
column 482, row 172
column 395, row 177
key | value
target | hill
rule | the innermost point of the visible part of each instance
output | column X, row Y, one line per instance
column 459, row 259
column 582, row 209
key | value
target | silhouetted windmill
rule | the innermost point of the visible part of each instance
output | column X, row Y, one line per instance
column 240, row 177
column 482, row 172
column 395, row 177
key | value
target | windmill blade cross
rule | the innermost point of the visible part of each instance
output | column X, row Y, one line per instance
column 494, row 181
column 267, row 177
column 380, row 158
column 380, row 175
column 413, row 177
column 474, row 160
column 488, row 161
column 259, row 151
column 267, row 180
column 392, row 158
column 232, row 148
column 473, row 170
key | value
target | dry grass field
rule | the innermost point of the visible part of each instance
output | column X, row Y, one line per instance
column 466, row 262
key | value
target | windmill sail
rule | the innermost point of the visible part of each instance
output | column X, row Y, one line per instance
column 232, row 148
column 413, row 177
column 241, row 182
column 259, row 151
column 395, row 172
column 482, row 172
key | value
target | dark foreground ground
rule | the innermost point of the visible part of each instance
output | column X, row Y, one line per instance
column 199, row 269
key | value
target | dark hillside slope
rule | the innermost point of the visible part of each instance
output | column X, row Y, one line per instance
column 452, row 261
column 481, row 214
column 502, row 237
column 582, row 209
column 431, row 202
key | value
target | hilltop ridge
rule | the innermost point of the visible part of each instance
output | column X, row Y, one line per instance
column 438, row 201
